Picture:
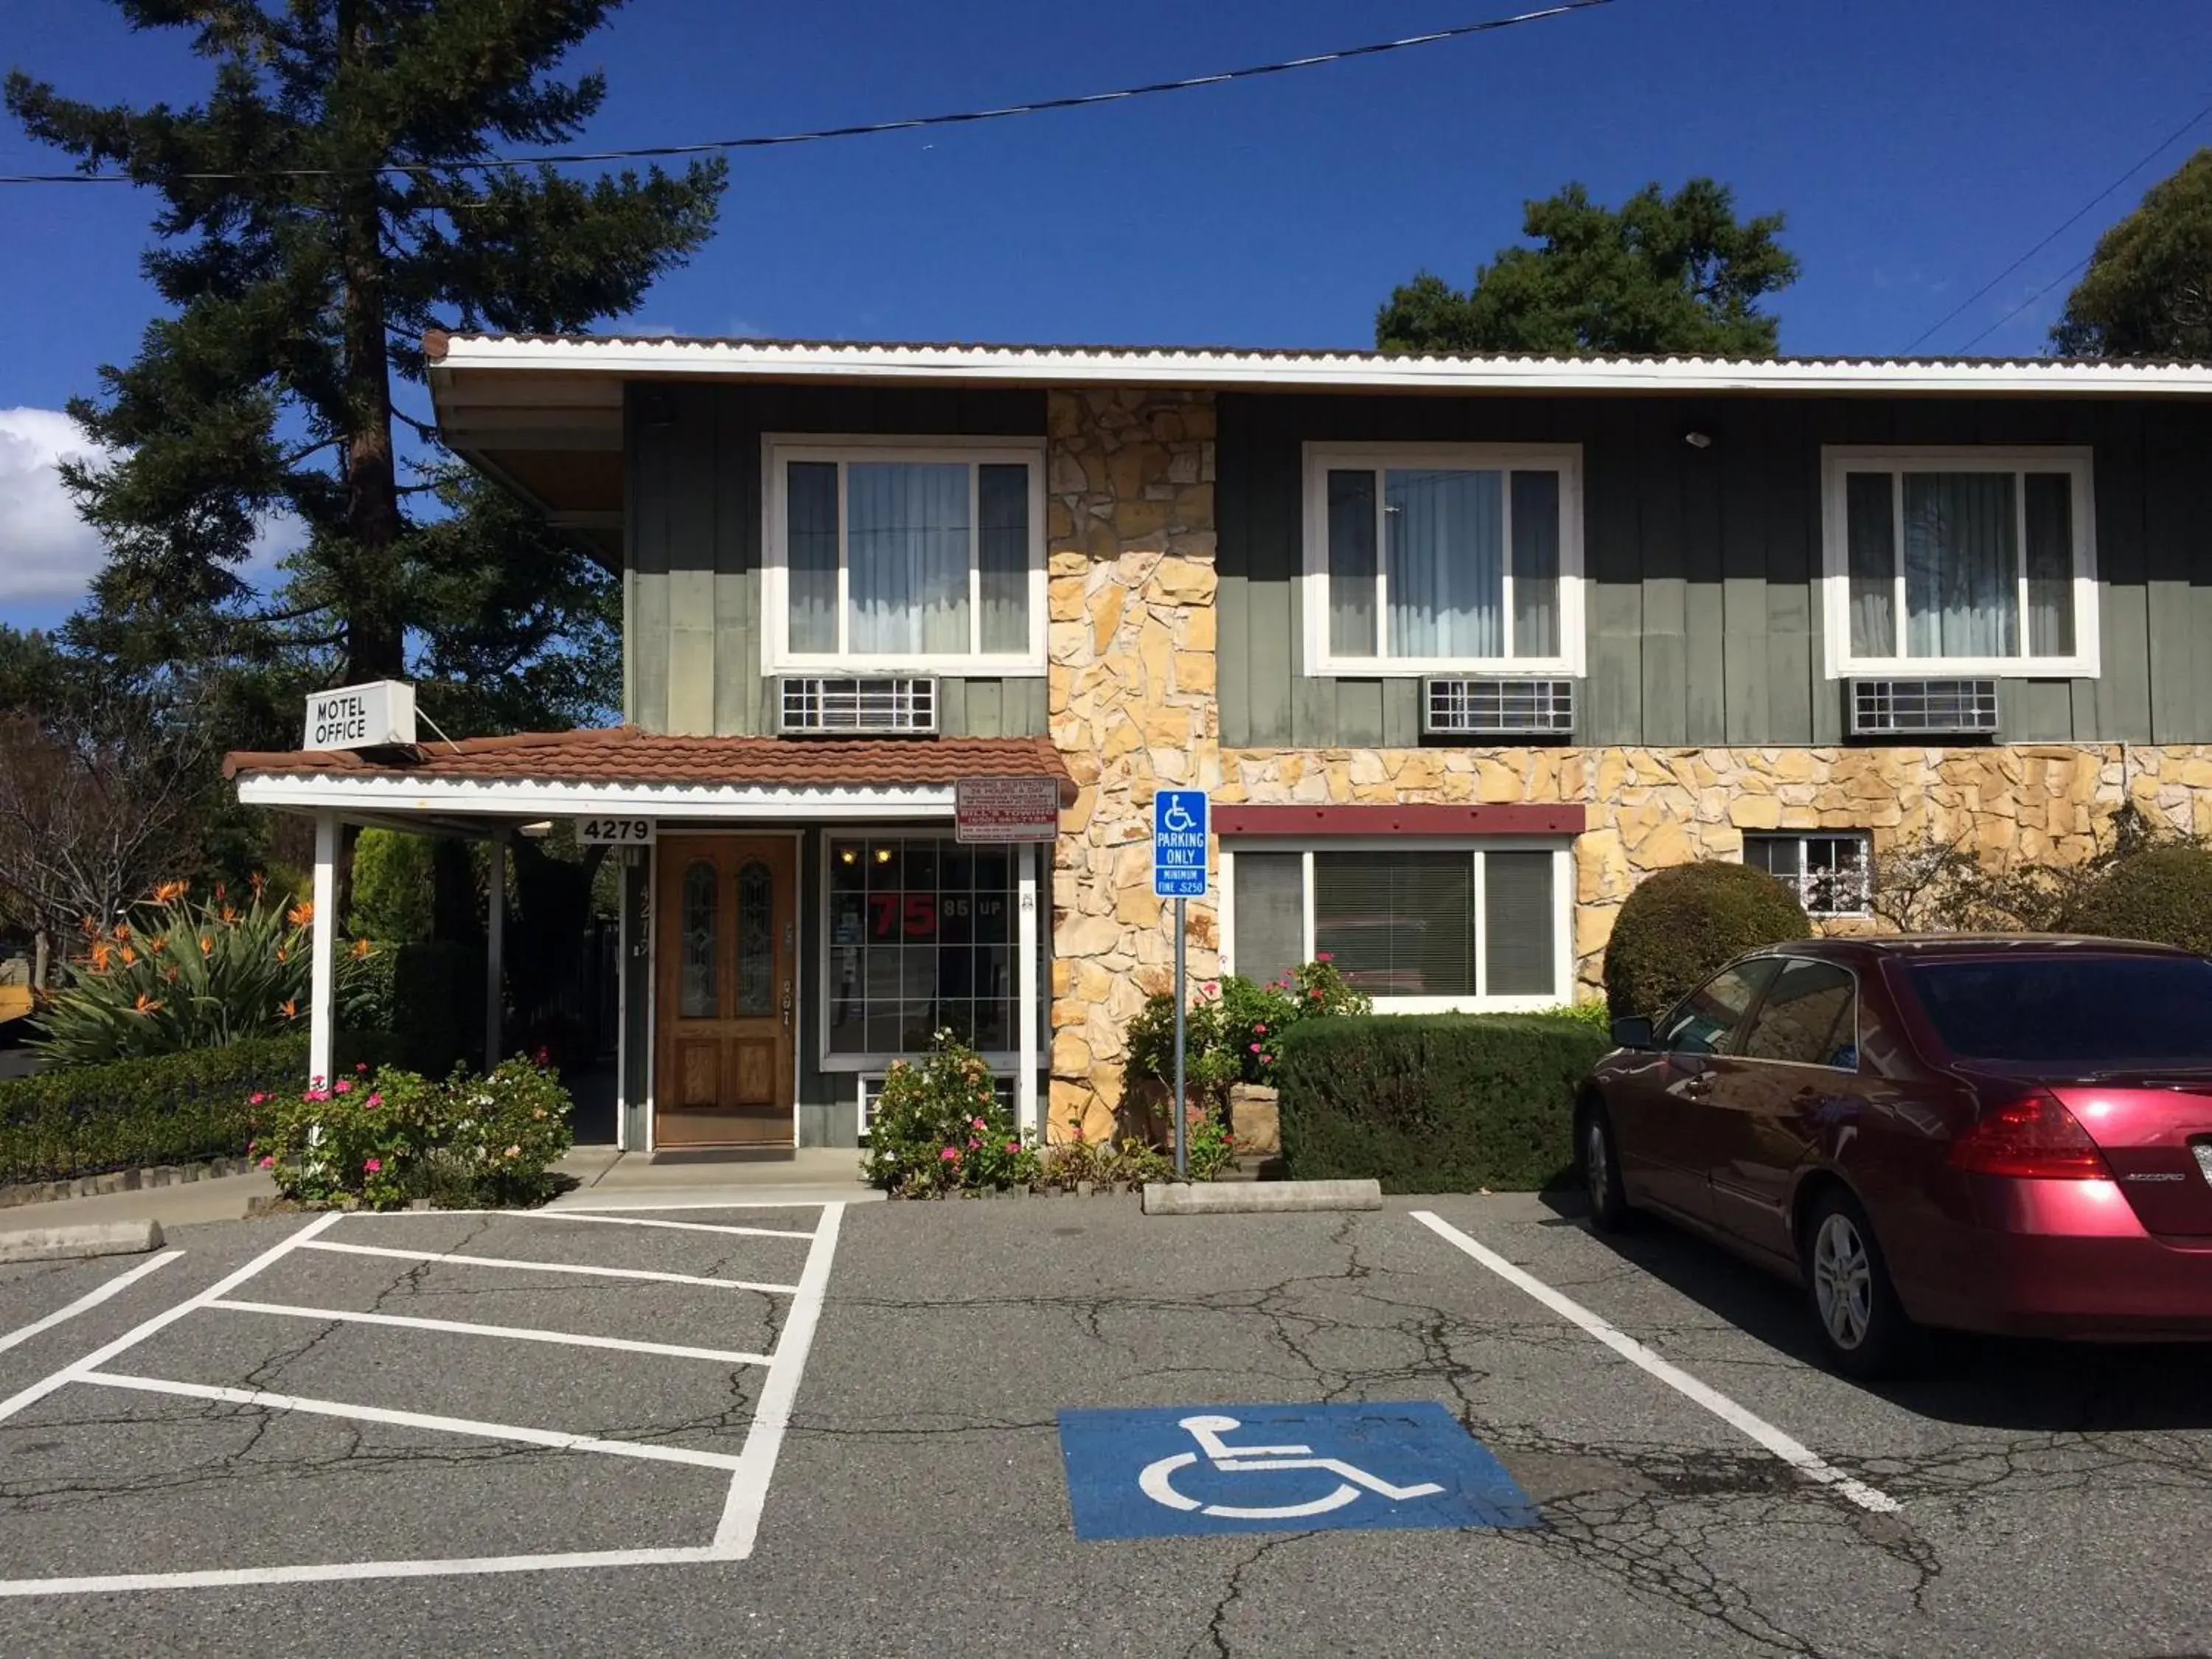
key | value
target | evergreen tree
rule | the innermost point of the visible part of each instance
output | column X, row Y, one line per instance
column 1662, row 274
column 321, row 212
column 2148, row 292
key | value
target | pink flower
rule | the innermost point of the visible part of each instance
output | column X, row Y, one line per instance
column 974, row 1146
column 256, row 1098
column 1267, row 1060
column 950, row 1155
column 1013, row 1145
column 374, row 1101
column 1314, row 994
column 1260, row 1028
column 346, row 1085
column 976, row 1123
column 360, row 1065
column 1323, row 956
column 268, row 1162
column 372, row 1164
column 1255, row 1048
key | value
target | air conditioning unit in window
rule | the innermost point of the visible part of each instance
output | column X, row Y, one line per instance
column 872, row 1089
column 818, row 705
column 1911, row 708
column 1490, row 706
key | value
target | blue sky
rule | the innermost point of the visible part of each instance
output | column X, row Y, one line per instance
column 1917, row 149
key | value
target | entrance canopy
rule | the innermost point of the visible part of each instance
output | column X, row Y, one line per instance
column 484, row 788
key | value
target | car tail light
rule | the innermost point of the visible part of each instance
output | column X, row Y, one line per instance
column 2034, row 1137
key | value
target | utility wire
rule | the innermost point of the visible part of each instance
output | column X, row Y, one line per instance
column 2072, row 271
column 2074, row 219
column 868, row 130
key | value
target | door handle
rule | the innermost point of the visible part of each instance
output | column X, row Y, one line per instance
column 1698, row 1085
column 786, row 1004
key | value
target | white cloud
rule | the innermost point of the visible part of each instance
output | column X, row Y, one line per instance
column 46, row 551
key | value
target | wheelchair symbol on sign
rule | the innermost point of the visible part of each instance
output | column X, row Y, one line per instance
column 1158, row 1484
column 1177, row 819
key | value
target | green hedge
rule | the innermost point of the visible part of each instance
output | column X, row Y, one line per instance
column 1681, row 925
column 1434, row 1103
column 165, row 1109
column 2164, row 895
column 438, row 1006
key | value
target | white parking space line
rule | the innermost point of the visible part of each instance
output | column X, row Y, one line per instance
column 1790, row 1451
column 92, row 1299
column 397, row 1253
column 161, row 1321
column 551, row 1438
column 741, row 1513
column 750, row 1469
column 607, row 1220
column 511, row 1333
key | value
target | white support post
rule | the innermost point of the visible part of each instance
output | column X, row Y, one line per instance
column 495, row 947
column 321, row 1012
column 1028, row 1110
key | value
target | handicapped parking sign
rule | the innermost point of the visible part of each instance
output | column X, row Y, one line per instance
column 1179, row 843
column 1179, row 1469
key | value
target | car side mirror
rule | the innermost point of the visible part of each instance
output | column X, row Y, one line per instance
column 1633, row 1033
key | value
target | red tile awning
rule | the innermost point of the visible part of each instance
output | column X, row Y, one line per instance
column 627, row 755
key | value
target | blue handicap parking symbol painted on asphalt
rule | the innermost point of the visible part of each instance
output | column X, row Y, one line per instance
column 1174, row 1469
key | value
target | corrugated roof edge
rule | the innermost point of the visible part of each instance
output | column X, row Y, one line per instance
column 438, row 342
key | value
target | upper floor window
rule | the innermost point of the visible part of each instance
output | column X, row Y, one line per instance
column 905, row 554
column 1960, row 561
column 1452, row 557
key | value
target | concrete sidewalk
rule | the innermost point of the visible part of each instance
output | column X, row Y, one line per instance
column 612, row 1180
column 225, row 1198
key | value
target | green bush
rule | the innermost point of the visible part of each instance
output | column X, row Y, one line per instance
column 2164, row 895
column 390, row 886
column 939, row 1128
column 181, row 975
column 1681, row 925
column 380, row 1139
column 1231, row 1032
column 131, row 1114
column 1434, row 1103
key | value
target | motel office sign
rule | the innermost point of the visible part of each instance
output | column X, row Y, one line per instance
column 377, row 715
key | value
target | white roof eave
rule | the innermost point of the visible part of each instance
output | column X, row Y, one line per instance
column 1331, row 371
column 529, row 798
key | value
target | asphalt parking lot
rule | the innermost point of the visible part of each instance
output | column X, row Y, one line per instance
column 267, row 1445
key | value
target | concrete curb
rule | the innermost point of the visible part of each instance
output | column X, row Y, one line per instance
column 100, row 1238
column 1260, row 1197
column 123, row 1180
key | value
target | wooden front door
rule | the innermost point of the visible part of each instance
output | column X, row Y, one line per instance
column 725, row 1002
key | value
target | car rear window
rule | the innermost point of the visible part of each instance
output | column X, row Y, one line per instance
column 2092, row 1012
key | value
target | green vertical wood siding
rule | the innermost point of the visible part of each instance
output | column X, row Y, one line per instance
column 1702, row 615
column 691, row 621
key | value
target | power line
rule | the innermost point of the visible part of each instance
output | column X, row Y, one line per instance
column 2078, row 266
column 2074, row 219
column 868, row 130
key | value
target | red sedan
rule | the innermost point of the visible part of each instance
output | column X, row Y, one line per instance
column 2005, row 1134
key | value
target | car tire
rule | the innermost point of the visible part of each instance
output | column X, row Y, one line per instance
column 1597, row 1161
column 1863, row 1327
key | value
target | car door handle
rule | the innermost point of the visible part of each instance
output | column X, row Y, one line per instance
column 1698, row 1086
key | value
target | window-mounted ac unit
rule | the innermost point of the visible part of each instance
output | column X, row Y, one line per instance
column 1491, row 706
column 872, row 1089
column 819, row 705
column 1906, row 708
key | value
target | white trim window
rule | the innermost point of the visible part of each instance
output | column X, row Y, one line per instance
column 1425, row 558
column 895, row 554
column 1831, row 872
column 1422, row 926
column 1972, row 561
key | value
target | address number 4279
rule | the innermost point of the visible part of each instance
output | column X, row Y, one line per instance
column 614, row 832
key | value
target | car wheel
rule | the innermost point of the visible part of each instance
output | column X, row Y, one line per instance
column 1862, row 1324
column 1599, row 1161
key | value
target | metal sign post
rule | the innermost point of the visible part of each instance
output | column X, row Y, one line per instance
column 1179, row 830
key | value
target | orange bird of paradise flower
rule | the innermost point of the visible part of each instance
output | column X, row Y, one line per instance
column 146, row 1005
column 301, row 914
column 289, row 1008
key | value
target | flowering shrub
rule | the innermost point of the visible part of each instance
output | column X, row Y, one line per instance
column 1232, row 1028
column 177, row 974
column 939, row 1128
column 378, row 1139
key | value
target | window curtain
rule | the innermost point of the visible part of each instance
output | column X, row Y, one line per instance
column 810, row 547
column 1351, row 564
column 1536, row 564
column 1445, row 558
column 1270, row 914
column 2049, row 563
column 1002, row 556
column 1961, row 564
column 906, row 551
column 1870, row 500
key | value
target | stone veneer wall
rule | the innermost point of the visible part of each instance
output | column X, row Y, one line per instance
column 1131, row 698
column 1648, row 808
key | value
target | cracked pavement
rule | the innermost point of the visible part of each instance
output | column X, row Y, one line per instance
column 2055, row 1500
